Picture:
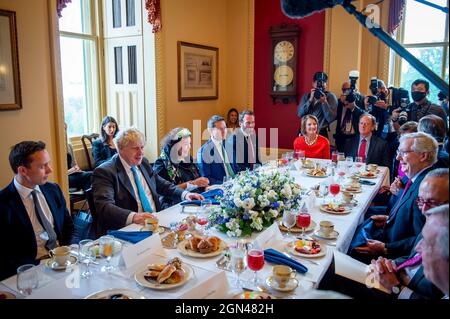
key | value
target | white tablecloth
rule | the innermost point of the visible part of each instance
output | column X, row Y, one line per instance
column 55, row 284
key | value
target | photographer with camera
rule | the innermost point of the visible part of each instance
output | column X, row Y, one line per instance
column 349, row 109
column 320, row 103
column 421, row 107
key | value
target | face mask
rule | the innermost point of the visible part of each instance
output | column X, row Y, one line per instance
column 382, row 96
column 418, row 96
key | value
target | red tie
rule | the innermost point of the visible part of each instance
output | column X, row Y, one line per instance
column 400, row 199
column 362, row 149
column 416, row 260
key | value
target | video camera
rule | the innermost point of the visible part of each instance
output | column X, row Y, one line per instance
column 353, row 77
column 320, row 78
column 399, row 96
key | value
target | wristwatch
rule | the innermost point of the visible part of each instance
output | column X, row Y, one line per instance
column 397, row 289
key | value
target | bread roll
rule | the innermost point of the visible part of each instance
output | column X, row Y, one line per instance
column 193, row 243
column 152, row 273
column 204, row 246
column 176, row 277
column 166, row 273
column 214, row 242
column 158, row 267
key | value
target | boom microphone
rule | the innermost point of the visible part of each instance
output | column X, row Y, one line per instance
column 304, row 8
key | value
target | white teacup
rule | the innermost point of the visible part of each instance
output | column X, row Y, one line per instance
column 282, row 274
column 151, row 224
column 372, row 167
column 60, row 255
column 347, row 196
column 326, row 228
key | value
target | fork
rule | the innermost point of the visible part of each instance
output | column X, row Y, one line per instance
column 302, row 259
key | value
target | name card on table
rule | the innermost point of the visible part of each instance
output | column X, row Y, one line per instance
column 137, row 253
column 270, row 238
column 216, row 287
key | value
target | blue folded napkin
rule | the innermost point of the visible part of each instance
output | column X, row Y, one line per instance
column 213, row 193
column 197, row 202
column 131, row 236
column 276, row 257
column 366, row 231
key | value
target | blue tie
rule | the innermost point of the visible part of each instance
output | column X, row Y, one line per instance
column 144, row 200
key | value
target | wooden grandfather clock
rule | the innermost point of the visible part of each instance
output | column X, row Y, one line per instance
column 284, row 55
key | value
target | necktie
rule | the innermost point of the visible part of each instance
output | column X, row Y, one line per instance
column 362, row 149
column 226, row 161
column 45, row 223
column 416, row 260
column 407, row 186
column 146, row 207
column 251, row 151
column 347, row 118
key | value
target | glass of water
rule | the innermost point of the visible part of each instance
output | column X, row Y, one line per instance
column 87, row 255
column 289, row 221
column 238, row 261
column 27, row 279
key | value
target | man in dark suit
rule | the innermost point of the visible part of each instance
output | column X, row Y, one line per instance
column 125, row 188
column 398, row 230
column 244, row 143
column 435, row 126
column 347, row 118
column 33, row 213
column 214, row 160
column 367, row 145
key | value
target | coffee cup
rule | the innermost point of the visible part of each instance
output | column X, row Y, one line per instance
column 326, row 228
column 347, row 196
column 151, row 224
column 282, row 274
column 60, row 255
column 372, row 167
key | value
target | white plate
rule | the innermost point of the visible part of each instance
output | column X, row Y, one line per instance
column 187, row 252
column 106, row 294
column 323, row 251
column 367, row 177
column 254, row 295
column 334, row 234
column 323, row 208
column 352, row 190
column 153, row 284
column 290, row 285
column 50, row 263
column 307, row 174
column 295, row 229
column 160, row 229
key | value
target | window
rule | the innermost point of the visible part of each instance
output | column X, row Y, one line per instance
column 424, row 33
column 79, row 63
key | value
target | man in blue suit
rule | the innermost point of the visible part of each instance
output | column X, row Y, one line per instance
column 397, row 231
column 33, row 213
column 244, row 143
column 213, row 158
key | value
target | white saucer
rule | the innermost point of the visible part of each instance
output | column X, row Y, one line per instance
column 160, row 229
column 334, row 234
column 50, row 263
column 290, row 285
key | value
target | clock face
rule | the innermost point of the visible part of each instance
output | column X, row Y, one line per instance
column 283, row 75
column 284, row 51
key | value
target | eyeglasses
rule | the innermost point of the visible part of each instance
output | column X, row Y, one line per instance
column 430, row 203
column 403, row 153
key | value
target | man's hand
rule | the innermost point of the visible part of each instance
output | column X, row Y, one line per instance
column 139, row 218
column 200, row 182
column 384, row 273
column 311, row 95
column 342, row 98
column 74, row 169
column 323, row 98
column 193, row 196
column 383, row 189
column 396, row 186
column 379, row 221
column 382, row 104
column 373, row 247
column 350, row 106
column 395, row 114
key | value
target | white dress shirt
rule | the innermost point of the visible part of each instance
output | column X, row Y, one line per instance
column 250, row 146
column 218, row 144
column 39, row 231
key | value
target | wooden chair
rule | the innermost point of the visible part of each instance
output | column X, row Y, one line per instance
column 88, row 154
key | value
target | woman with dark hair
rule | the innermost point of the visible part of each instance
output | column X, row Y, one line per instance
column 176, row 165
column 313, row 144
column 232, row 120
column 103, row 148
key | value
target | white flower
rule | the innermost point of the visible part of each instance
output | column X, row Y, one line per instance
column 273, row 212
column 249, row 203
column 272, row 194
column 257, row 223
column 238, row 202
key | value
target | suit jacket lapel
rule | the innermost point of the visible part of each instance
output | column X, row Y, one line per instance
column 404, row 199
column 123, row 178
column 53, row 208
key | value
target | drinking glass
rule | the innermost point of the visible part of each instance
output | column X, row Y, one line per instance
column 300, row 154
column 359, row 163
column 87, row 255
column 334, row 156
column 238, row 261
column 106, row 251
column 27, row 279
column 334, row 190
column 303, row 220
column 289, row 221
column 255, row 261
column 341, row 156
column 323, row 189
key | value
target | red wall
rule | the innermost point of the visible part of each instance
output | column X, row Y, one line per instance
column 310, row 59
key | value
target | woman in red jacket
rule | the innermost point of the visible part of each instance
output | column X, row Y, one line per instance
column 313, row 144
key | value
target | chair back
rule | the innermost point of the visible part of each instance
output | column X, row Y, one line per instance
column 88, row 154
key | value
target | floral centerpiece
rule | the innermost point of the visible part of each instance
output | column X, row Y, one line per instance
column 253, row 200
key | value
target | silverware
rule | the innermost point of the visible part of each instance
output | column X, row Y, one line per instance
column 302, row 259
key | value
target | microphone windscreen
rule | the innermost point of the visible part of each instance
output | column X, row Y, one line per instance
column 304, row 8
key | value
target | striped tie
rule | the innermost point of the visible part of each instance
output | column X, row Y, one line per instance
column 416, row 260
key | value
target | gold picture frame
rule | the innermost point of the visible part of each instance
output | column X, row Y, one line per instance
column 198, row 72
column 10, row 96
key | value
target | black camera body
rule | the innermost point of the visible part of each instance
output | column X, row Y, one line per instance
column 399, row 100
column 353, row 77
column 320, row 78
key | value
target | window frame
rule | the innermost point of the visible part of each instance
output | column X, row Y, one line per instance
column 396, row 61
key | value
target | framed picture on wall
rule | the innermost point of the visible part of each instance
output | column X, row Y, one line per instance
column 198, row 68
column 10, row 98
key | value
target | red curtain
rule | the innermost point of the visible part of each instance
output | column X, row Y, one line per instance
column 396, row 9
column 60, row 5
column 154, row 14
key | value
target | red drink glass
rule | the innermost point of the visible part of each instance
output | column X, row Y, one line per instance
column 334, row 189
column 303, row 220
column 255, row 261
column 334, row 157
